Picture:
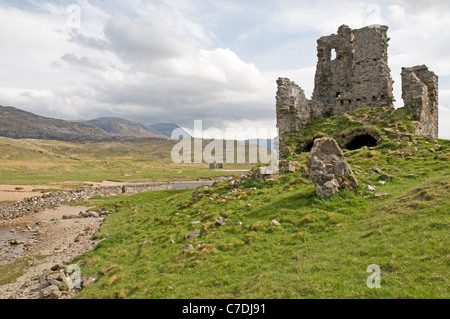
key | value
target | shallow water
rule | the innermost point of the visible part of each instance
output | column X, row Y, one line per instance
column 191, row 185
column 8, row 250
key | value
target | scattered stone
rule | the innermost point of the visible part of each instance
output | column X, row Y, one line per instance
column 51, row 292
column 71, row 216
column 220, row 221
column 86, row 262
column 14, row 242
column 195, row 223
column 287, row 166
column 276, row 223
column 385, row 177
column 88, row 281
column 234, row 183
column 193, row 234
column 371, row 188
column 264, row 173
column 239, row 223
column 328, row 169
column 188, row 247
column 58, row 267
column 377, row 170
column 381, row 194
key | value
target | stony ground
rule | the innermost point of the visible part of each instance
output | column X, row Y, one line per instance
column 57, row 240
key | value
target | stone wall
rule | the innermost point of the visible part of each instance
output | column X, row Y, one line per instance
column 420, row 96
column 56, row 199
column 292, row 110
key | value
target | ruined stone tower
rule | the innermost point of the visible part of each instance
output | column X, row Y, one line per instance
column 357, row 75
column 420, row 96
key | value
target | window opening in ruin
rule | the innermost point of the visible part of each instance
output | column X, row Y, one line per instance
column 360, row 141
column 338, row 94
column 333, row 54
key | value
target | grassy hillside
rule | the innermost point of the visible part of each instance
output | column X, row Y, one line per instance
column 279, row 240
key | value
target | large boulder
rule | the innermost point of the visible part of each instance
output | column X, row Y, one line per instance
column 328, row 169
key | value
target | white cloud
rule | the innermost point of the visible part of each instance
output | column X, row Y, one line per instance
column 154, row 67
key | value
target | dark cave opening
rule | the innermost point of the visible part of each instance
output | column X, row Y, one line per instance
column 309, row 146
column 361, row 140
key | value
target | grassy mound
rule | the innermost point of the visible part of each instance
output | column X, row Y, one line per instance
column 383, row 123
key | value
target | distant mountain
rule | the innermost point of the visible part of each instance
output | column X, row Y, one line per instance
column 167, row 129
column 16, row 123
column 123, row 127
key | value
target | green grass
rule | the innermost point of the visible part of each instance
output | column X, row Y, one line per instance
column 321, row 249
column 10, row 272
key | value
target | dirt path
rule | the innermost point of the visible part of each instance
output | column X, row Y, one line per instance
column 56, row 240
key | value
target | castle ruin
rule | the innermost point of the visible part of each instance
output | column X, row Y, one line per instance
column 357, row 75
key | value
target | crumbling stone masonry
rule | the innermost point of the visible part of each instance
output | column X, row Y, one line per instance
column 420, row 96
column 358, row 76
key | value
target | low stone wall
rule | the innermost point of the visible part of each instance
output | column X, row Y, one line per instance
column 56, row 199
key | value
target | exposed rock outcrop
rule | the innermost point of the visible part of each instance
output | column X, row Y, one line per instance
column 328, row 168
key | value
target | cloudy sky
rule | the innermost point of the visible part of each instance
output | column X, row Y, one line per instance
column 185, row 60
